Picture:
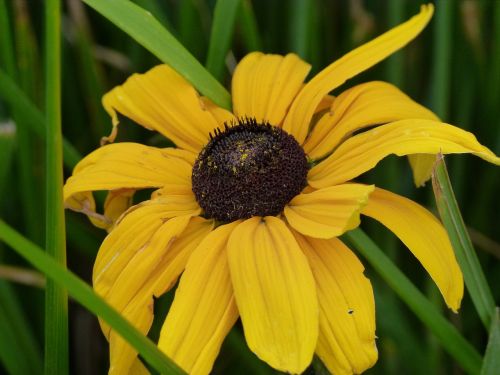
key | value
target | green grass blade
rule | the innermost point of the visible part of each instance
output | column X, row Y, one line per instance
column 90, row 70
column 441, row 62
column 300, row 18
column 248, row 27
column 475, row 280
column 221, row 35
column 30, row 199
column 84, row 294
column 56, row 299
column 30, row 115
column 19, row 352
column 460, row 349
column 7, row 58
column 395, row 63
column 148, row 31
column 7, row 139
column 491, row 362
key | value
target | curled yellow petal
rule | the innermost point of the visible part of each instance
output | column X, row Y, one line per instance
column 264, row 86
column 300, row 114
column 162, row 100
column 346, row 342
column 128, row 166
column 424, row 236
column 141, row 258
column 364, row 105
column 421, row 166
column 362, row 152
column 328, row 212
column 275, row 293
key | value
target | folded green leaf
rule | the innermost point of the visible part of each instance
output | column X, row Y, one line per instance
column 19, row 352
column 491, row 363
column 148, row 32
column 221, row 35
column 475, row 281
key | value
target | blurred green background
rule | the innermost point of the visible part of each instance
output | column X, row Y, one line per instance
column 453, row 67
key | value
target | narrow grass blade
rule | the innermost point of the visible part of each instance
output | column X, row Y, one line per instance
column 90, row 69
column 491, row 363
column 148, row 31
column 441, row 62
column 7, row 139
column 395, row 63
column 300, row 18
column 56, row 299
column 461, row 350
column 30, row 115
column 31, row 200
column 19, row 352
column 84, row 294
column 475, row 281
column 248, row 27
column 221, row 36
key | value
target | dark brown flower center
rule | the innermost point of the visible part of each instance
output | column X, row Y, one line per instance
column 249, row 169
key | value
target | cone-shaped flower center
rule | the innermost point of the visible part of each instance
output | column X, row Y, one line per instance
column 249, row 169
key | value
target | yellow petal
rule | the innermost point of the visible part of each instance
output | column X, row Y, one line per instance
column 220, row 114
column 346, row 342
column 131, row 234
column 138, row 368
column 421, row 166
column 264, row 86
column 128, row 293
column 328, row 212
column 160, row 280
column 275, row 293
column 362, row 152
column 116, row 203
column 141, row 262
column 122, row 357
column 151, row 268
column 424, row 235
column 300, row 114
column 325, row 103
column 174, row 262
column 162, row 100
column 124, row 166
column 363, row 105
column 203, row 310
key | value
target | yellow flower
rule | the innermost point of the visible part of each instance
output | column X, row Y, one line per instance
column 249, row 206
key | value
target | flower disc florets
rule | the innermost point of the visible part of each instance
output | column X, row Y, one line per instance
column 249, row 169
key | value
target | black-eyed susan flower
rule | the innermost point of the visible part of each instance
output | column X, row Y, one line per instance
column 249, row 206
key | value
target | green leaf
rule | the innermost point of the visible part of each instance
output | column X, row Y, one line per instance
column 248, row 27
column 221, row 35
column 148, row 31
column 475, row 281
column 84, row 294
column 19, row 352
column 441, row 63
column 31, row 199
column 300, row 22
column 56, row 299
column 491, row 363
column 461, row 350
column 7, row 139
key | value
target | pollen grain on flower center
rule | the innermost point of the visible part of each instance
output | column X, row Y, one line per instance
column 249, row 169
